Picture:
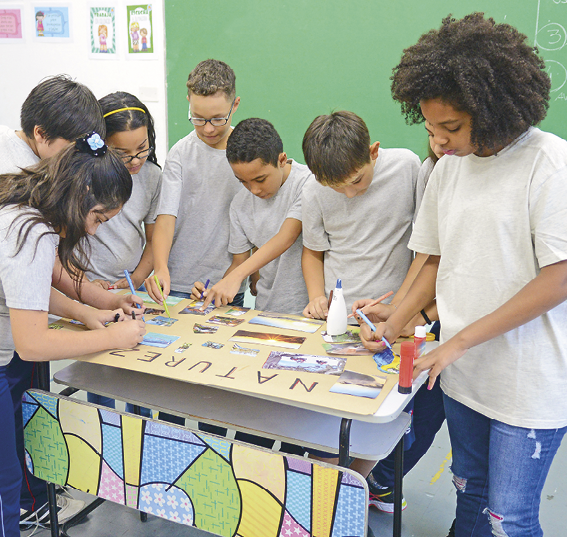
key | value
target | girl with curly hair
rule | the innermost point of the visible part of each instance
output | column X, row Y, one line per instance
column 492, row 221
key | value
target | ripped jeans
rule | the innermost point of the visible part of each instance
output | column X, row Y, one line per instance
column 499, row 472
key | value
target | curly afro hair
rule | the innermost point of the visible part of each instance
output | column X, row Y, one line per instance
column 479, row 67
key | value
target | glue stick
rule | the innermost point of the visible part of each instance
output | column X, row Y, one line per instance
column 337, row 316
column 419, row 340
column 407, row 355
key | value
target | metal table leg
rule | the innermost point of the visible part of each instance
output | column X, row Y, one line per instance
column 398, row 480
column 344, row 442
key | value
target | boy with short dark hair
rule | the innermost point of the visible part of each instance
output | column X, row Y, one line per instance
column 190, row 241
column 266, row 214
column 357, row 214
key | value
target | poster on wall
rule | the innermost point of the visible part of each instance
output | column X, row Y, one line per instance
column 140, row 31
column 102, row 30
column 10, row 24
column 52, row 23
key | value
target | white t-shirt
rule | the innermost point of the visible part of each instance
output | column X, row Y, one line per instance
column 14, row 152
column 25, row 278
column 422, row 179
column 365, row 238
column 253, row 222
column 495, row 221
column 198, row 186
column 119, row 243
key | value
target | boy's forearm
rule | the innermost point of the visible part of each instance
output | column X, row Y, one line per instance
column 312, row 265
column 162, row 239
column 412, row 273
column 145, row 266
column 276, row 246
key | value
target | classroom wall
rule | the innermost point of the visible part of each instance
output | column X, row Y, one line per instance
column 297, row 59
column 26, row 63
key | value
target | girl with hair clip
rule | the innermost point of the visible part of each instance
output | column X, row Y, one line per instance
column 125, row 243
column 48, row 211
column 492, row 221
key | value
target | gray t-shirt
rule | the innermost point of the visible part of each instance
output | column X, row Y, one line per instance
column 253, row 222
column 25, row 278
column 422, row 180
column 496, row 221
column 198, row 186
column 14, row 152
column 365, row 238
column 118, row 244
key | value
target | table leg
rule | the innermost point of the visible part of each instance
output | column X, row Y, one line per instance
column 344, row 442
column 398, row 481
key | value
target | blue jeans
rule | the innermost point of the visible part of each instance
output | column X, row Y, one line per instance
column 499, row 472
column 10, row 470
column 111, row 403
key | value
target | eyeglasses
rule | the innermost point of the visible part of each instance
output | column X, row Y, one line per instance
column 215, row 121
column 140, row 156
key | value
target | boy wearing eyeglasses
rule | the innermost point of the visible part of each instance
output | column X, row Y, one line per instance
column 191, row 233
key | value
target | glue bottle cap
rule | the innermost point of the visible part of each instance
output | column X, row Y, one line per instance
column 339, row 284
column 420, row 331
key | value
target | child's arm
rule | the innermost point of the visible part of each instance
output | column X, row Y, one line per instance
column 546, row 291
column 223, row 292
column 34, row 341
column 161, row 245
column 91, row 293
column 312, row 266
column 145, row 266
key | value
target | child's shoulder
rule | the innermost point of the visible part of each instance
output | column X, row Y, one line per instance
column 299, row 174
column 398, row 156
column 150, row 172
column 552, row 146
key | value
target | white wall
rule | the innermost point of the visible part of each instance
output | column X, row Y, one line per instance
column 25, row 63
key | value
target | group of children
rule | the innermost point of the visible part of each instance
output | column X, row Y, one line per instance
column 231, row 206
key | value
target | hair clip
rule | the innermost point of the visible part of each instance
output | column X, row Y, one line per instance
column 91, row 143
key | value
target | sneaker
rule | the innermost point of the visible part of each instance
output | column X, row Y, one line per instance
column 382, row 497
column 452, row 530
column 67, row 507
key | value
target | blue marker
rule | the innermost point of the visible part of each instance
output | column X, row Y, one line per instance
column 206, row 285
column 373, row 328
column 132, row 290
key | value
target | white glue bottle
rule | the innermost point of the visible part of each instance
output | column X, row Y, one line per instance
column 419, row 340
column 337, row 316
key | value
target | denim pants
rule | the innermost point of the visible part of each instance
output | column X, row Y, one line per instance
column 10, row 469
column 499, row 472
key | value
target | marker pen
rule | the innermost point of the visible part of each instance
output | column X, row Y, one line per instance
column 206, row 285
column 132, row 290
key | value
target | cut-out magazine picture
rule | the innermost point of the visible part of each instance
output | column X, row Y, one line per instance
column 193, row 308
column 358, row 384
column 224, row 321
column 352, row 335
column 274, row 340
column 161, row 321
column 291, row 322
column 307, row 363
column 346, row 349
column 158, row 340
column 236, row 311
column 170, row 300
column 387, row 361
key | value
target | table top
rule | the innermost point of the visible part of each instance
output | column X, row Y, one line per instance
column 241, row 374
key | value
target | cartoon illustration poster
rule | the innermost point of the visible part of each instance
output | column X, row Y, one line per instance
column 103, row 31
column 10, row 23
column 140, row 29
column 52, row 23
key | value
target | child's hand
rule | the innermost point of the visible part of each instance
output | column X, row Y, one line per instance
column 127, row 334
column 102, row 283
column 373, row 340
column 222, row 293
column 152, row 288
column 254, row 278
column 127, row 303
column 95, row 319
column 198, row 290
column 438, row 359
column 123, row 284
column 318, row 308
column 377, row 313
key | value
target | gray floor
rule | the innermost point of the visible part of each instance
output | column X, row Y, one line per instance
column 427, row 488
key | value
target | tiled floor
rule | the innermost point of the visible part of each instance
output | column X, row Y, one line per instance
column 427, row 488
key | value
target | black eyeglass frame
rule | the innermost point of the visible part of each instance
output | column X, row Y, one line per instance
column 202, row 121
column 127, row 158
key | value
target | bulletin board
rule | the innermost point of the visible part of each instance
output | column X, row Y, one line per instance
column 221, row 368
column 298, row 59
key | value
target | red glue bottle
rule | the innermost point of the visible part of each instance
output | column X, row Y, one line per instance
column 407, row 355
column 419, row 340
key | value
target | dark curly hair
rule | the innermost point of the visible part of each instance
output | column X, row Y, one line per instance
column 254, row 138
column 479, row 67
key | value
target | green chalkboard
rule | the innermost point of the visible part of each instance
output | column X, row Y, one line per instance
column 297, row 59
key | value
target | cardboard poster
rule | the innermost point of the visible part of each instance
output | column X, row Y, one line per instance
column 140, row 30
column 52, row 23
column 10, row 23
column 102, row 29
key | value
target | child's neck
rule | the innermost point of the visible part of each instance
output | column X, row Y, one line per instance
column 29, row 141
column 286, row 172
